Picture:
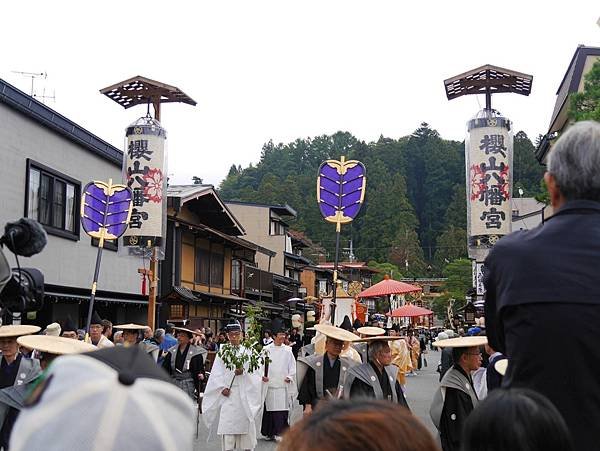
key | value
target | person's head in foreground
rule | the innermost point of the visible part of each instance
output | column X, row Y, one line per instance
column 367, row 425
column 517, row 420
column 105, row 400
column 573, row 165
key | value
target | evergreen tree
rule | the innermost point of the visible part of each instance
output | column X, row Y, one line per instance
column 527, row 172
column 459, row 279
column 586, row 105
column 385, row 269
column 415, row 204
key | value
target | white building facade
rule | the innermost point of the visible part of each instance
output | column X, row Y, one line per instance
column 45, row 161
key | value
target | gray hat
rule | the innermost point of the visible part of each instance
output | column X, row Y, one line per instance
column 110, row 383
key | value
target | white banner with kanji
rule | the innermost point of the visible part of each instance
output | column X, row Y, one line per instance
column 144, row 173
column 489, row 181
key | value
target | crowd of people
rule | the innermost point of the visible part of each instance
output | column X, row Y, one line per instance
column 514, row 384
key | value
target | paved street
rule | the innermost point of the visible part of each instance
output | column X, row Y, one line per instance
column 420, row 391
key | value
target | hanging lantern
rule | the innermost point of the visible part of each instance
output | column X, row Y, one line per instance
column 145, row 173
column 488, row 157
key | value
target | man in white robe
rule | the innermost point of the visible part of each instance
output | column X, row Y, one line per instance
column 232, row 398
column 279, row 378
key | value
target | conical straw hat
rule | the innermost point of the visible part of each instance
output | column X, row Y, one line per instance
column 370, row 331
column 461, row 342
column 336, row 333
column 55, row 345
column 130, row 326
column 377, row 338
column 17, row 330
column 183, row 329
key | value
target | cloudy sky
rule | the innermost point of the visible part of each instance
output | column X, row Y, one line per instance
column 283, row 70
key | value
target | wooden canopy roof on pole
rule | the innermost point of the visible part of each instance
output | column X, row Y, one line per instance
column 488, row 80
column 140, row 90
column 498, row 79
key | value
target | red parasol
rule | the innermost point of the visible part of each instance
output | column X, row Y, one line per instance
column 388, row 286
column 409, row 311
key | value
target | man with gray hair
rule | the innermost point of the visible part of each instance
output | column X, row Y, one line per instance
column 376, row 378
column 544, row 280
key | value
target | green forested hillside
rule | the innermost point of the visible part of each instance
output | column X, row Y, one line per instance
column 415, row 210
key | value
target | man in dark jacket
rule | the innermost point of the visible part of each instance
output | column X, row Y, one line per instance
column 377, row 377
column 456, row 397
column 541, row 280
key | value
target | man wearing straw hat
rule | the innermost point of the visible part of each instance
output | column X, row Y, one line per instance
column 456, row 397
column 132, row 335
column 185, row 362
column 323, row 376
column 15, row 371
column 377, row 377
column 364, row 332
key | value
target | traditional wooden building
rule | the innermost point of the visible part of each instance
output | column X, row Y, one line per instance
column 203, row 280
column 315, row 281
column 351, row 272
column 266, row 225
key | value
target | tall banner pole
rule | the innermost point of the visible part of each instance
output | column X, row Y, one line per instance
column 338, row 229
column 341, row 189
column 105, row 214
column 488, row 160
column 94, row 285
column 153, row 288
column 145, row 170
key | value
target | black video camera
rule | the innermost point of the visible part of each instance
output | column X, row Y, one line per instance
column 21, row 289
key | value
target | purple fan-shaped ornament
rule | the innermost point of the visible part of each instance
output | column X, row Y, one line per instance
column 105, row 209
column 341, row 190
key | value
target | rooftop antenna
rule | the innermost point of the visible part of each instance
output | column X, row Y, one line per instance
column 33, row 76
column 43, row 97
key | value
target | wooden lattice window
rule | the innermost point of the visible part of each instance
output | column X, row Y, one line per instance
column 176, row 311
